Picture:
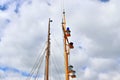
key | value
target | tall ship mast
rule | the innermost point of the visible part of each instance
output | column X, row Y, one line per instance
column 67, row 46
column 68, row 68
column 47, row 53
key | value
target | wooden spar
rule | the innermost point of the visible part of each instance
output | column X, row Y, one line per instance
column 65, row 47
column 48, row 53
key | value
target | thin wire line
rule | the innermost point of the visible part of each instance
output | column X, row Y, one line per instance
column 36, row 63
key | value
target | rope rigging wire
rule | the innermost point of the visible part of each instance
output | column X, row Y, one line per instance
column 55, row 57
column 57, row 45
column 58, row 48
column 56, row 66
column 56, row 53
column 35, row 70
column 39, row 65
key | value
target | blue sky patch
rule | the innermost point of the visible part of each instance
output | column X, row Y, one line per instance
column 3, row 7
column 104, row 0
column 14, row 70
column 6, row 5
column 6, row 69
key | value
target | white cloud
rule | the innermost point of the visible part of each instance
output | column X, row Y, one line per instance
column 94, row 26
column 90, row 74
column 112, row 76
column 104, row 65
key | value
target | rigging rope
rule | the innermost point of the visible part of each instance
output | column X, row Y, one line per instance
column 37, row 64
column 57, row 67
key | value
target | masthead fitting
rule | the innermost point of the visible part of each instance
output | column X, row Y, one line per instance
column 51, row 20
column 63, row 11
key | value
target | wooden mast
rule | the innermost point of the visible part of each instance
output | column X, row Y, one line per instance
column 69, row 72
column 65, row 47
column 48, row 53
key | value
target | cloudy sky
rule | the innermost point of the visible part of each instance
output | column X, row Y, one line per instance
column 95, row 30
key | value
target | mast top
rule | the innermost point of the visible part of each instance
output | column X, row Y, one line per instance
column 50, row 20
column 63, row 11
